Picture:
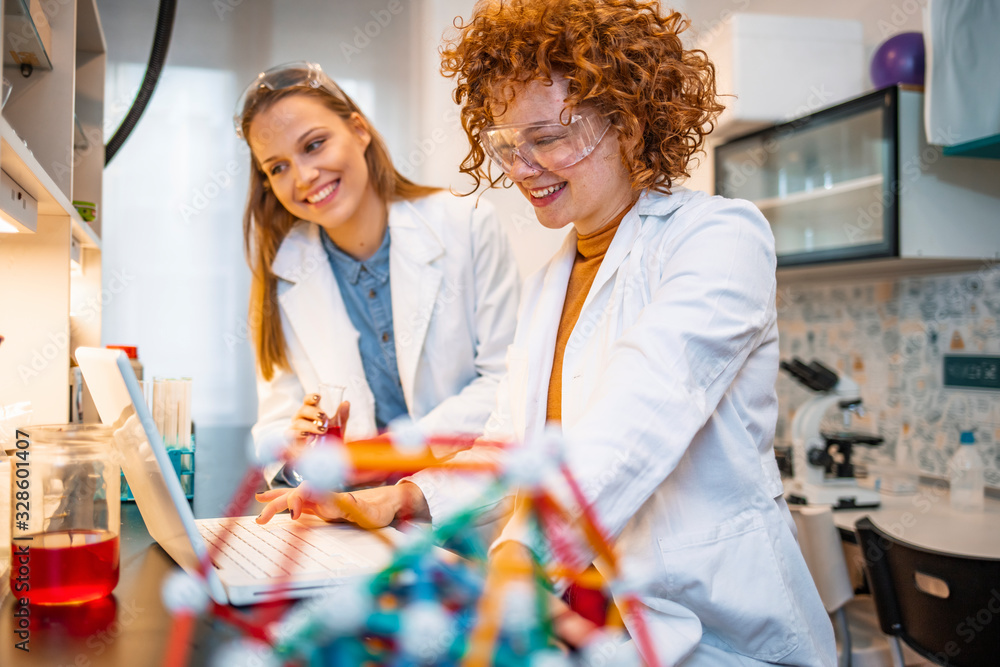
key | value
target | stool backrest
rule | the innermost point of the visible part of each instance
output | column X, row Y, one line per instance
column 944, row 606
column 822, row 549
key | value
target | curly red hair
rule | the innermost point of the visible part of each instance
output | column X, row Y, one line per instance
column 622, row 56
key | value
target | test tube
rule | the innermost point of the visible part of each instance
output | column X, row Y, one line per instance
column 164, row 396
column 159, row 407
column 184, row 430
column 147, row 394
column 172, row 413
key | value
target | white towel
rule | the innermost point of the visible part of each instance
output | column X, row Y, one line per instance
column 962, row 102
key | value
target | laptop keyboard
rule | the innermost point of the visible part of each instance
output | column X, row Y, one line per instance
column 280, row 548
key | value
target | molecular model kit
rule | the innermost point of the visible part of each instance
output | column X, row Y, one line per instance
column 441, row 600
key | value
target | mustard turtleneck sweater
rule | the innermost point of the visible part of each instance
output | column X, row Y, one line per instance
column 590, row 251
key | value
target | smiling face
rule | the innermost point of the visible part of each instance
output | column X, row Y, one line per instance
column 314, row 161
column 588, row 194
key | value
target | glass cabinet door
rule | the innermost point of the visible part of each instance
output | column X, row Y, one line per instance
column 824, row 181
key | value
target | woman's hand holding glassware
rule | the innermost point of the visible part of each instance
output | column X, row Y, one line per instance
column 323, row 413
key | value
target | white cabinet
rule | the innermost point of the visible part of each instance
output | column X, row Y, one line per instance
column 52, row 146
column 856, row 187
column 774, row 68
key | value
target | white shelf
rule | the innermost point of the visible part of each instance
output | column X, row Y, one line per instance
column 820, row 193
column 21, row 165
column 80, row 141
column 868, row 270
column 37, row 131
column 84, row 233
column 90, row 35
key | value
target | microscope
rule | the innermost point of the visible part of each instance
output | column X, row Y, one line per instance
column 821, row 461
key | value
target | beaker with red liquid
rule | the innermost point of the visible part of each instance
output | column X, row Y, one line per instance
column 330, row 398
column 65, row 514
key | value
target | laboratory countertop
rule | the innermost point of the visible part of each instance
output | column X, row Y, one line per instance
column 127, row 628
column 926, row 519
column 131, row 628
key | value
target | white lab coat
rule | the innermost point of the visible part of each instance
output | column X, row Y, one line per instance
column 453, row 286
column 668, row 412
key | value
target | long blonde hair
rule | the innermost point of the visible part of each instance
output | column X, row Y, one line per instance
column 266, row 222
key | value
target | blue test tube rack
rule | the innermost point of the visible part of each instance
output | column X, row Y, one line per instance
column 182, row 459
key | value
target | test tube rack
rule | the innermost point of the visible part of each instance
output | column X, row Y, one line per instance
column 182, row 459
column 169, row 401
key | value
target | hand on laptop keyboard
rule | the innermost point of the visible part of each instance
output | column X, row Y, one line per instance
column 369, row 508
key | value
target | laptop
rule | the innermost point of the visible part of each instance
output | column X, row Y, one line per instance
column 252, row 563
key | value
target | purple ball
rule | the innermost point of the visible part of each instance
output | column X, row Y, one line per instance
column 900, row 59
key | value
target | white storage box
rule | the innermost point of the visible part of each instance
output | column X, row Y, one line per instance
column 782, row 67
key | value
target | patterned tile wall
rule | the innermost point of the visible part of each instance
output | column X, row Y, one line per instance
column 890, row 337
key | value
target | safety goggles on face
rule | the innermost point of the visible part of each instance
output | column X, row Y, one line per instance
column 544, row 146
column 300, row 73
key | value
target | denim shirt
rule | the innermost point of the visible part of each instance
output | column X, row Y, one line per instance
column 364, row 287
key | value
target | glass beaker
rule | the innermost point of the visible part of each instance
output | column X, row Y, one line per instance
column 65, row 514
column 330, row 398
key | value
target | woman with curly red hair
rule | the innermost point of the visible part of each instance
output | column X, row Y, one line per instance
column 649, row 340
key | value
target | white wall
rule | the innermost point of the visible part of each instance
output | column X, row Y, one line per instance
column 440, row 143
column 173, row 202
column 175, row 193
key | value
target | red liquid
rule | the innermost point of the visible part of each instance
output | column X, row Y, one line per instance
column 331, row 432
column 65, row 567
column 79, row 621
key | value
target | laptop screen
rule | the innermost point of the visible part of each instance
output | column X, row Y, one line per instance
column 118, row 398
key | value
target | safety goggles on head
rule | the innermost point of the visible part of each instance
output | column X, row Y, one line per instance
column 545, row 146
column 300, row 73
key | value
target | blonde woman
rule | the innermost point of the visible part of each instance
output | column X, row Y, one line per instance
column 404, row 294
